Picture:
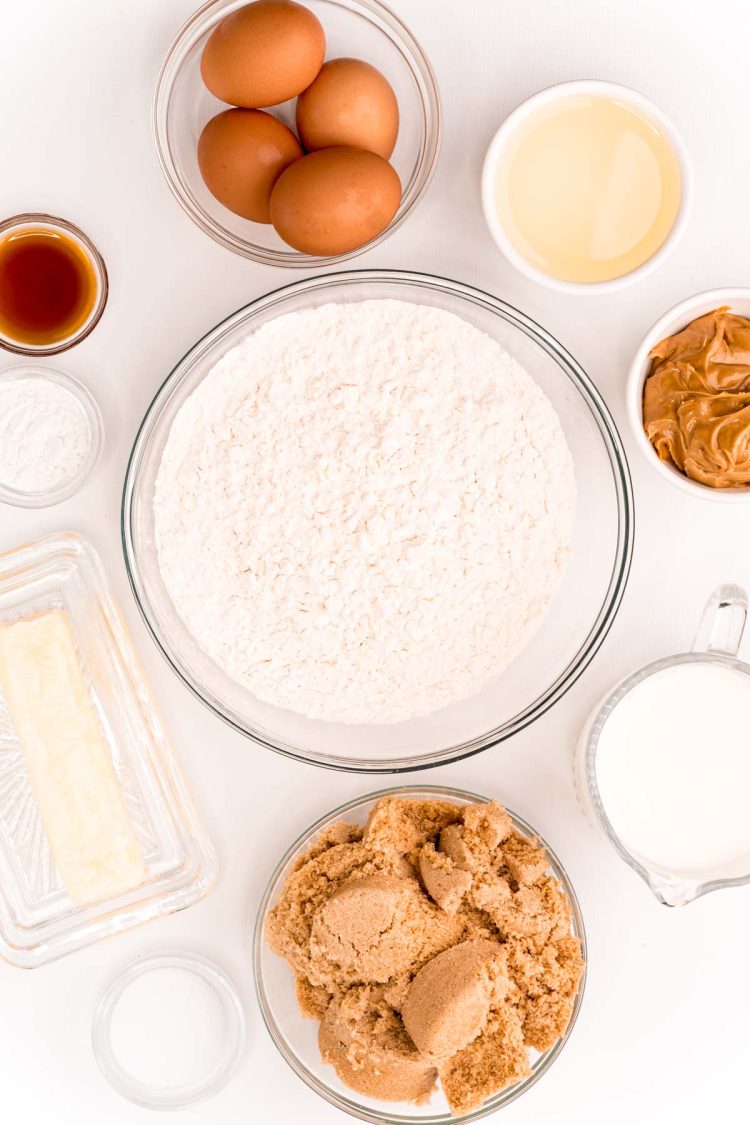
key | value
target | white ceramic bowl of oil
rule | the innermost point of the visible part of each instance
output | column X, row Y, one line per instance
column 586, row 187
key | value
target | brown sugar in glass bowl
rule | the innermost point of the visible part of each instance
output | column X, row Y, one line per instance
column 53, row 285
column 440, row 1027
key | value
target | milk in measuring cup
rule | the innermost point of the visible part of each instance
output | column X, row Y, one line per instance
column 673, row 770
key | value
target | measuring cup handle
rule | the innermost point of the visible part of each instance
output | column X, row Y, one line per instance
column 723, row 621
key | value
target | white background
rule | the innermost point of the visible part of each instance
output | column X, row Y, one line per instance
column 663, row 1035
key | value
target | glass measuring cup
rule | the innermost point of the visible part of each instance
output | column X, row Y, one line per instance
column 717, row 643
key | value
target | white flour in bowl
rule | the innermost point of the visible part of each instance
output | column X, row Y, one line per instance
column 363, row 511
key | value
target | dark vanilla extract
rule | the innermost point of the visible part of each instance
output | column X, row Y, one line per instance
column 48, row 286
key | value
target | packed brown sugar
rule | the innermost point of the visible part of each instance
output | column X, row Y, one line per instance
column 433, row 946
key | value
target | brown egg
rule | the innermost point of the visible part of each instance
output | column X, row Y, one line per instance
column 263, row 54
column 349, row 103
column 241, row 154
column 334, row 200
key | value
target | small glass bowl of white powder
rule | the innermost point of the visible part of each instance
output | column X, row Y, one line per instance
column 170, row 1031
column 51, row 436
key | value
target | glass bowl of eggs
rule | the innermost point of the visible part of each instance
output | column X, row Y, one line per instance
column 297, row 134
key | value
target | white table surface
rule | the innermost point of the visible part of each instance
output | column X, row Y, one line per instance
column 664, row 1023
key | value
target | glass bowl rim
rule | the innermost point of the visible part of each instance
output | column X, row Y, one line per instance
column 347, row 1105
column 621, row 478
column 41, row 219
column 432, row 133
column 47, row 498
column 178, row 1096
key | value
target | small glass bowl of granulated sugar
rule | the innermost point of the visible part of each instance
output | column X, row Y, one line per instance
column 170, row 1031
column 51, row 436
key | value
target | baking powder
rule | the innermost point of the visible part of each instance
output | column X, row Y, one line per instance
column 44, row 435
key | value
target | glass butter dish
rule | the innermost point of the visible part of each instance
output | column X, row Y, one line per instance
column 39, row 920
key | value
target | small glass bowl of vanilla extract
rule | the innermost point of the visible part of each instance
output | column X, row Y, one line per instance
column 53, row 285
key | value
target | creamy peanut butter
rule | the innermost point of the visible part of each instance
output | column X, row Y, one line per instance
column 696, row 400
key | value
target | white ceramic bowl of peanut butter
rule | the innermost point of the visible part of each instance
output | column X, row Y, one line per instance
column 738, row 301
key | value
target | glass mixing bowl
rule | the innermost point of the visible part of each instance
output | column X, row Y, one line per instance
column 570, row 634
column 297, row 1038
column 364, row 29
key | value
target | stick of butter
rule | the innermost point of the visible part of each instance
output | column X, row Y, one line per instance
column 70, row 764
